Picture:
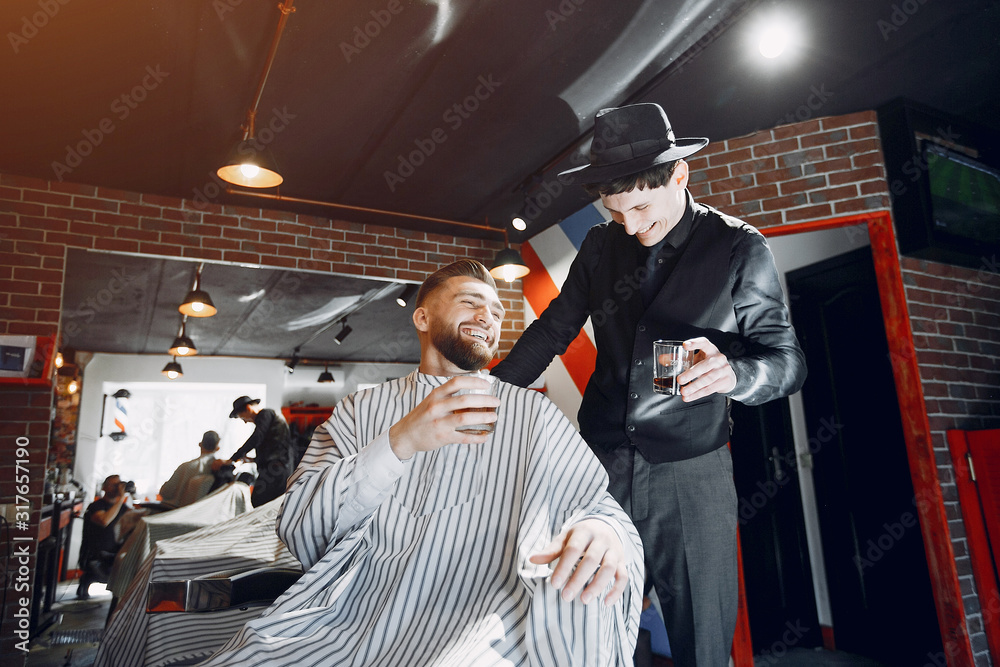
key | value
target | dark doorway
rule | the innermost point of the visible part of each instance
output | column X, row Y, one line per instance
column 776, row 573
column 880, row 592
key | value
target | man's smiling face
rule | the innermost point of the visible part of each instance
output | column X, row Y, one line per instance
column 464, row 318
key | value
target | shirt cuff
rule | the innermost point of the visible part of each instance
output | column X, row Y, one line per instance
column 378, row 465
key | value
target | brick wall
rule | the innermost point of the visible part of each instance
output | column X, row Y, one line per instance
column 813, row 170
column 40, row 219
column 955, row 317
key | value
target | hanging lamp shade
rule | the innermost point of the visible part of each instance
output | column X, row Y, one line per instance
column 251, row 165
column 173, row 370
column 183, row 346
column 198, row 304
column 509, row 266
column 326, row 375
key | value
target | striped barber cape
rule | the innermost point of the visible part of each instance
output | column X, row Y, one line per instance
column 428, row 564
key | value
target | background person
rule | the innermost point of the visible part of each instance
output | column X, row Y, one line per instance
column 272, row 442
column 100, row 542
column 193, row 479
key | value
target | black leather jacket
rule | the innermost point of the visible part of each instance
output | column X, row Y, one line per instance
column 724, row 287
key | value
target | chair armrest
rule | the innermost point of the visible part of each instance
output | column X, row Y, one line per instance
column 220, row 591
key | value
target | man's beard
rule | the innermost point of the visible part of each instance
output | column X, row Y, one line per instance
column 467, row 355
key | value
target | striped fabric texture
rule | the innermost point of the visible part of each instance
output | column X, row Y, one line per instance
column 428, row 564
column 136, row 639
column 222, row 504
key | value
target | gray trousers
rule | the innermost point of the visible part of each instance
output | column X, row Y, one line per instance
column 685, row 512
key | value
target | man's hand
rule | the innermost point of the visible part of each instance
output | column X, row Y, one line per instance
column 710, row 374
column 431, row 425
column 591, row 546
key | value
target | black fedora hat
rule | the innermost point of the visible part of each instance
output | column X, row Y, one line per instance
column 631, row 139
column 240, row 404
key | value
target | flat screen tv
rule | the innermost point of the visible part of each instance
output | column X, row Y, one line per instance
column 944, row 180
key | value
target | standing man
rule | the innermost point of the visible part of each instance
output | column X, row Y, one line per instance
column 273, row 443
column 192, row 479
column 99, row 543
column 669, row 268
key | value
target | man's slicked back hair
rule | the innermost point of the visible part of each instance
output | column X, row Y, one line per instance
column 464, row 267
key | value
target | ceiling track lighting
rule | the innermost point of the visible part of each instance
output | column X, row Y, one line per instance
column 182, row 345
column 173, row 369
column 251, row 163
column 508, row 265
column 408, row 293
column 345, row 331
column 197, row 303
column 326, row 376
column 293, row 362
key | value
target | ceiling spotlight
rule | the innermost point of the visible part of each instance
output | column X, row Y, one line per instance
column 326, row 375
column 408, row 293
column 344, row 332
column 776, row 35
column 173, row 370
column 519, row 224
column 182, row 345
column 197, row 303
column 293, row 362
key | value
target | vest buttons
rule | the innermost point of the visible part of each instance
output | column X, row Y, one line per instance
column 642, row 327
column 638, row 362
column 633, row 395
column 631, row 427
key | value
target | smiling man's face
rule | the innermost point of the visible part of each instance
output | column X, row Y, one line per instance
column 462, row 319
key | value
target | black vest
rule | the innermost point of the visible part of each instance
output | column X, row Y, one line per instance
column 695, row 301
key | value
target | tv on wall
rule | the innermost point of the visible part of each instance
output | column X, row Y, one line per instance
column 944, row 180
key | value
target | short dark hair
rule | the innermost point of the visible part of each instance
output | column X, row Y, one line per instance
column 648, row 179
column 463, row 267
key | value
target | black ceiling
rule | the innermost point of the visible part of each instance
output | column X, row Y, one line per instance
column 362, row 91
column 361, row 99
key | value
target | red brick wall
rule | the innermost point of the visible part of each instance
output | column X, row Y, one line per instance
column 955, row 317
column 40, row 219
column 813, row 170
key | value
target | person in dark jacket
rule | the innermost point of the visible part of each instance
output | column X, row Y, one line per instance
column 273, row 445
column 666, row 267
column 100, row 542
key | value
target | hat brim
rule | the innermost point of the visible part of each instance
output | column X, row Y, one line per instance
column 590, row 173
column 236, row 413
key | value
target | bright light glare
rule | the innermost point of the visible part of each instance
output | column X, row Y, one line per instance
column 509, row 273
column 776, row 36
column 249, row 170
column 197, row 306
column 73, row 387
column 519, row 224
column 183, row 350
column 173, row 375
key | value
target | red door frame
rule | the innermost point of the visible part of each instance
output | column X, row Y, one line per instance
column 916, row 426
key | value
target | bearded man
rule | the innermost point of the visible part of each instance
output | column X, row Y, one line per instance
column 425, row 544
